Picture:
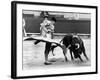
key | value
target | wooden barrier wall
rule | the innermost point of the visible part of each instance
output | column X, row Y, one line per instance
column 61, row 26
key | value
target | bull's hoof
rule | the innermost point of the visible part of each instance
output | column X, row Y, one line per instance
column 82, row 61
column 47, row 63
column 53, row 54
column 87, row 59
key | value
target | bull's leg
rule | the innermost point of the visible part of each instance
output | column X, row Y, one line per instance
column 80, row 58
column 71, row 55
column 52, row 49
column 85, row 55
column 52, row 52
column 65, row 56
column 84, row 52
column 64, row 51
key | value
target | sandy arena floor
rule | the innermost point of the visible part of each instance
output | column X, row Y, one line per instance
column 33, row 56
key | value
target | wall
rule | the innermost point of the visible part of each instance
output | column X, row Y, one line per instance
column 61, row 26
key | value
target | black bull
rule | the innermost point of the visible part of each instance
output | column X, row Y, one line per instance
column 75, row 46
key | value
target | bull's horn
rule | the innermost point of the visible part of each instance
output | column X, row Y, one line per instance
column 77, row 45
